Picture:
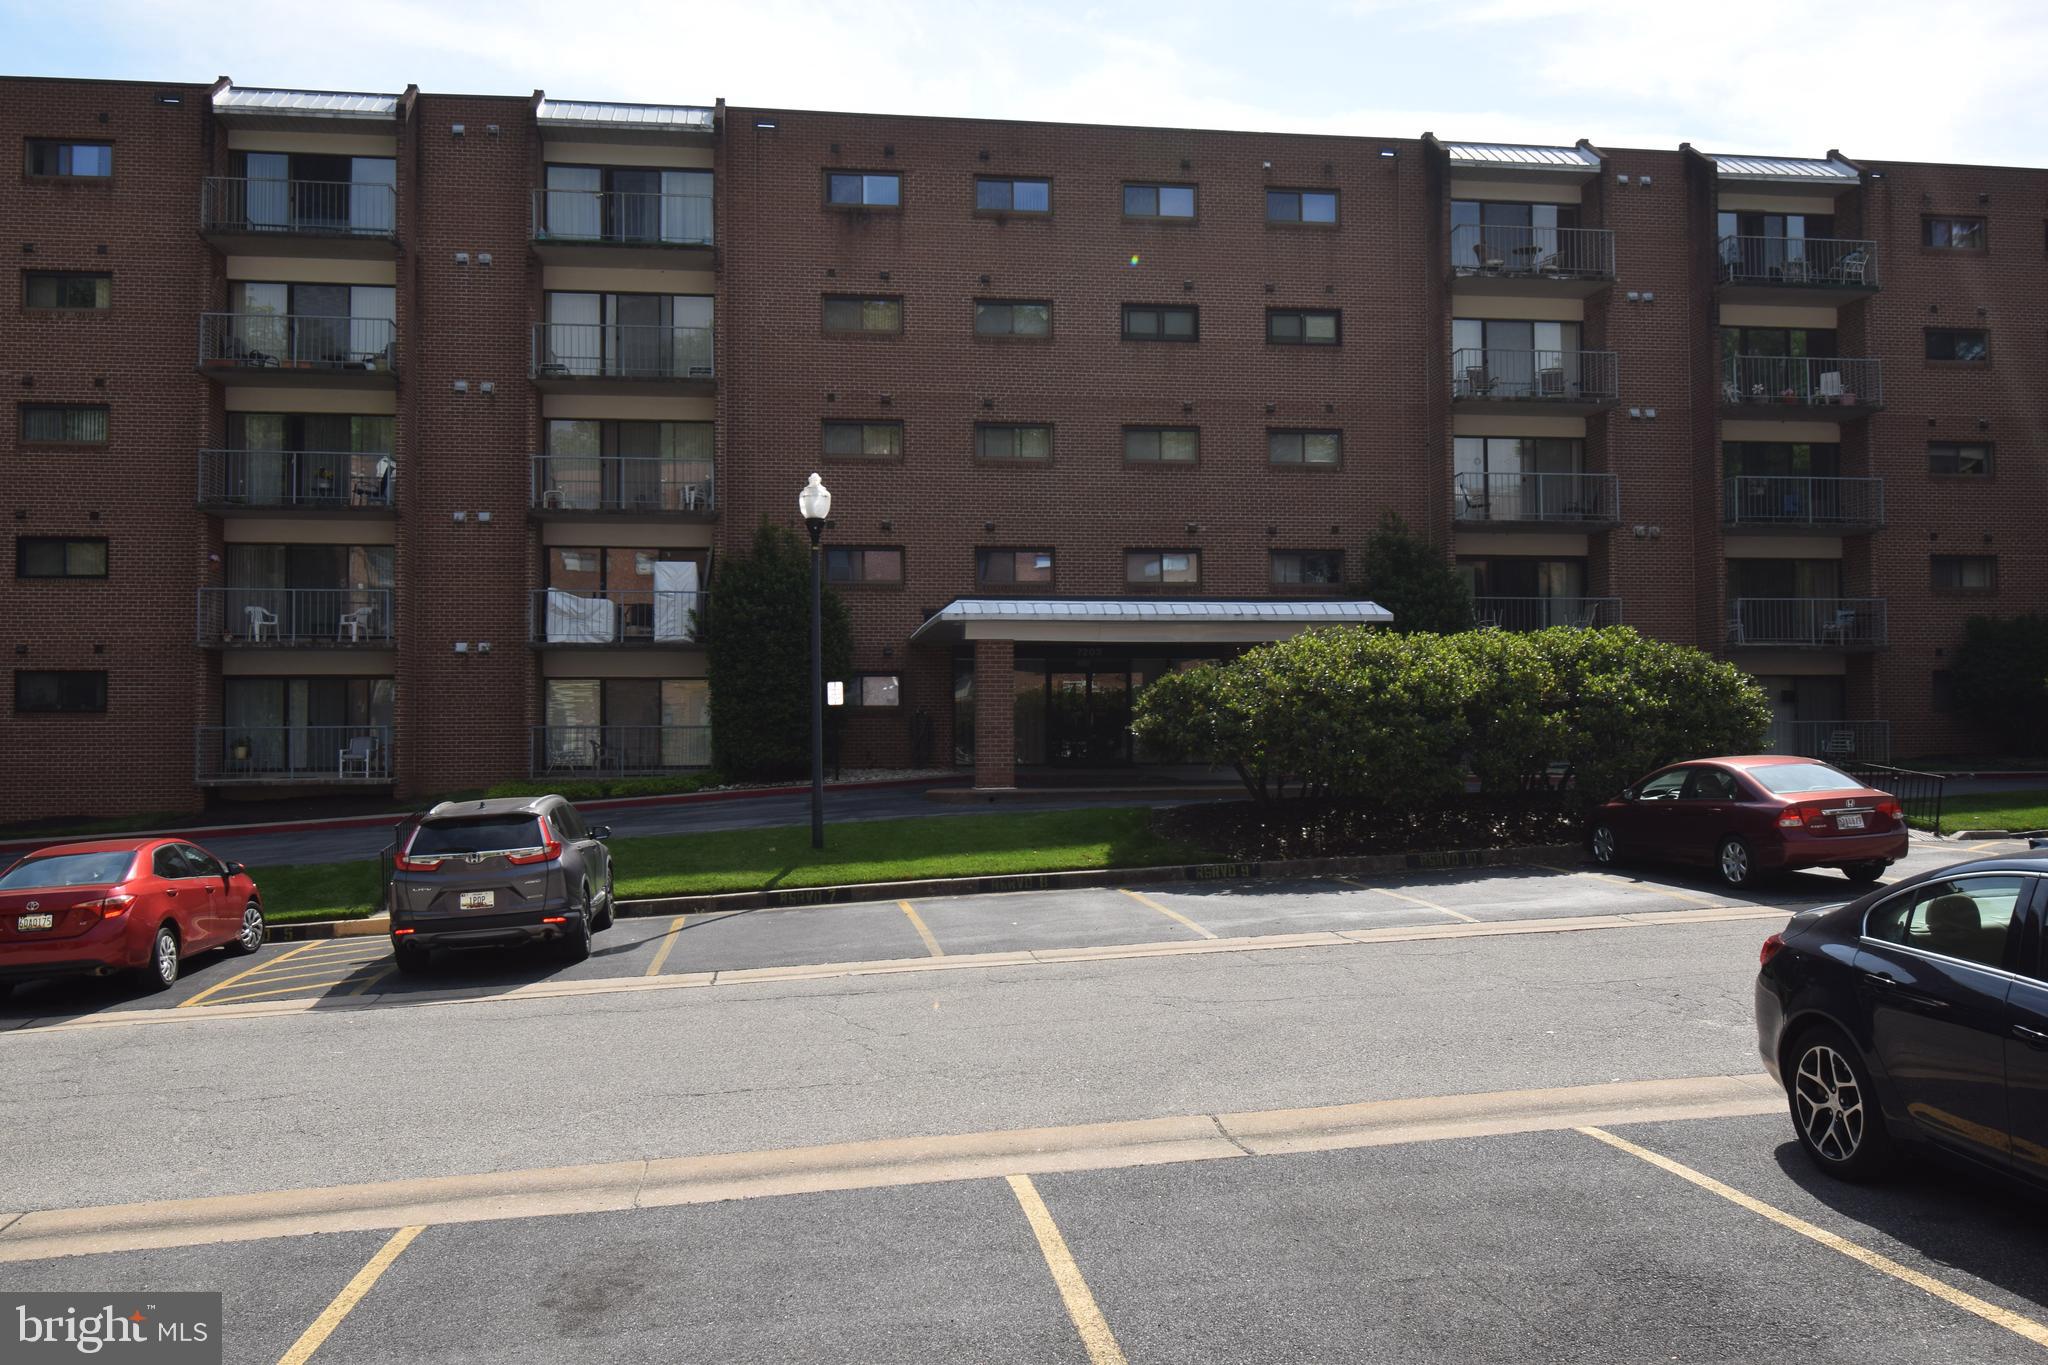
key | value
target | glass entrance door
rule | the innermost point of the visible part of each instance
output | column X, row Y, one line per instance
column 1088, row 716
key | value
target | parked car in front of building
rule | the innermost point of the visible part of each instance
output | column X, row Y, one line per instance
column 1747, row 815
column 139, row 906
column 483, row 873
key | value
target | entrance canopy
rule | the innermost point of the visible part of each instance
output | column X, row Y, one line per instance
column 1140, row 620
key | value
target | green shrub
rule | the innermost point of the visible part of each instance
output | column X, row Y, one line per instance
column 758, row 656
column 2001, row 680
column 1412, row 579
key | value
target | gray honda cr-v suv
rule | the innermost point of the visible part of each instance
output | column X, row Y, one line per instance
column 516, row 870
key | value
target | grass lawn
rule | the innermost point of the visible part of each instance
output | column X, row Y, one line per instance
column 2027, row 809
column 755, row 859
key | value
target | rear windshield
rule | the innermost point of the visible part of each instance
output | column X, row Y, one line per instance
column 1789, row 779
column 487, row 834
column 68, row 869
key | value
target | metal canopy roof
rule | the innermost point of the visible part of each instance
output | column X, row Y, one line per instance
column 331, row 104
column 639, row 118
column 1023, row 618
column 1785, row 169
column 1520, row 157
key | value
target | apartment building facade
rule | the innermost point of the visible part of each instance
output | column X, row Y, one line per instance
column 484, row 386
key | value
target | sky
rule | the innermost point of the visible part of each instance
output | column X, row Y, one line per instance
column 1789, row 77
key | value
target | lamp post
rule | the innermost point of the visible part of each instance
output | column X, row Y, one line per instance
column 815, row 502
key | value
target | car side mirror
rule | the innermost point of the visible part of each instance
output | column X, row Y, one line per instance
column 1628, row 793
column 600, row 831
column 236, row 869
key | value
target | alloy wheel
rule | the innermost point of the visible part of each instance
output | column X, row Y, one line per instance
column 252, row 928
column 1828, row 1103
column 166, row 957
column 1603, row 844
column 1734, row 862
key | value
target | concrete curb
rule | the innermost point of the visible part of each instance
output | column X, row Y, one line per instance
column 1998, row 834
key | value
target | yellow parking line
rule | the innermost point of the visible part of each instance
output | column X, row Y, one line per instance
column 309, row 967
column 351, row 1294
column 1088, row 1319
column 2032, row 1330
column 1626, row 884
column 259, row 967
column 668, row 941
column 931, row 944
column 364, row 986
column 1175, row 915
column 1412, row 900
column 1989, row 843
column 240, row 996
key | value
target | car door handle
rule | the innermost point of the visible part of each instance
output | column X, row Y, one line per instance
column 2032, row 1037
column 1912, row 999
column 1880, row 981
column 170, row 891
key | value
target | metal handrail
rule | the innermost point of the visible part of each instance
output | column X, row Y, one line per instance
column 1489, row 249
column 1848, row 381
column 619, row 750
column 1541, row 613
column 295, row 616
column 613, row 350
column 1837, row 741
column 1800, row 500
column 623, row 483
column 328, row 208
column 1920, row 795
column 1806, row 262
column 1495, row 373
column 624, row 217
column 618, row 616
column 297, row 341
column 1560, row 497
column 296, row 753
column 296, row 478
column 1807, row 622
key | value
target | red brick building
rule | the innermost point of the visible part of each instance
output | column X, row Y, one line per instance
column 483, row 386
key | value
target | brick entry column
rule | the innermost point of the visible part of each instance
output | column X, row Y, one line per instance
column 995, row 719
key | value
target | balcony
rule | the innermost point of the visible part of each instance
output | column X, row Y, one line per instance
column 597, row 751
column 295, row 618
column 569, row 487
column 1511, row 501
column 1837, row 741
column 245, row 482
column 617, row 228
column 571, row 357
column 619, row 617
column 1796, row 504
column 1541, row 613
column 1801, row 388
column 298, row 217
column 292, row 348
column 1530, row 261
column 1826, row 270
column 1528, row 382
column 298, row 755
column 1844, row 623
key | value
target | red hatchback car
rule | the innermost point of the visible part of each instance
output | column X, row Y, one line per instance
column 115, row 905
column 1751, row 814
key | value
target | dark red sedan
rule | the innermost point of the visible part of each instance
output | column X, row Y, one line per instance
column 1751, row 814
column 123, row 905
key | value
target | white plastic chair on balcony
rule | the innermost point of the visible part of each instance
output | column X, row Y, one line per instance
column 355, row 624
column 1837, row 630
column 1839, row 744
column 1849, row 270
column 260, row 620
column 1831, row 386
column 358, row 756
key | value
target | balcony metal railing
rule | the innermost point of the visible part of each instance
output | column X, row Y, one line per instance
column 1540, row 613
column 1802, row 262
column 606, row 350
column 1803, row 381
column 622, row 217
column 1795, row 500
column 1487, row 249
column 622, row 483
column 1807, row 622
column 619, row 750
column 295, row 616
column 326, row 208
column 618, row 616
column 1839, row 741
column 294, row 753
column 325, row 479
column 1534, row 376
column 295, row 341
column 1536, row 497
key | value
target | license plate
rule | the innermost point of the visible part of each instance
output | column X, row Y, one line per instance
column 479, row 900
column 1848, row 822
column 35, row 921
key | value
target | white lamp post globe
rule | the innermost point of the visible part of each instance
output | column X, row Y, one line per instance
column 815, row 502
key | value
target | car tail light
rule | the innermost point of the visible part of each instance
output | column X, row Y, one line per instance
column 1809, row 814
column 397, row 932
column 106, row 908
column 550, row 849
column 1770, row 949
column 406, row 863
column 554, row 919
column 1890, row 807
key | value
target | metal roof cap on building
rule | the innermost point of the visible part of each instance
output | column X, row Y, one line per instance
column 639, row 118
column 1785, row 170
column 1517, row 156
column 1015, row 617
column 331, row 104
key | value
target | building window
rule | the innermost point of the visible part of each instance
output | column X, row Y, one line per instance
column 1963, row 573
column 863, row 564
column 74, row 289
column 1004, row 441
column 870, row 690
column 1301, row 206
column 1320, row 448
column 42, row 691
column 1155, row 568
column 1304, row 326
column 1962, row 459
column 993, row 195
column 67, row 424
column 72, row 160
column 1012, row 568
column 1013, row 317
column 1307, row 568
column 864, row 440
column 863, row 316
column 863, row 189
column 1953, row 234
column 1162, row 445
column 1159, row 322
column 57, row 557
column 1159, row 201
column 1958, row 343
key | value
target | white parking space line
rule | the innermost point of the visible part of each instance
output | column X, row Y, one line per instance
column 1174, row 915
column 1412, row 900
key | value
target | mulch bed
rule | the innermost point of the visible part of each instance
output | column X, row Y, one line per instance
column 1305, row 829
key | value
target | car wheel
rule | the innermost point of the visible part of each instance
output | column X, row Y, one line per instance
column 1732, row 861
column 1834, row 1110
column 1606, row 851
column 254, row 931
column 1864, row 872
column 574, row 944
column 160, row 973
column 604, row 920
column 412, row 958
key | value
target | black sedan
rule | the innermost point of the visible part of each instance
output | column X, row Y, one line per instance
column 1917, row 1015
